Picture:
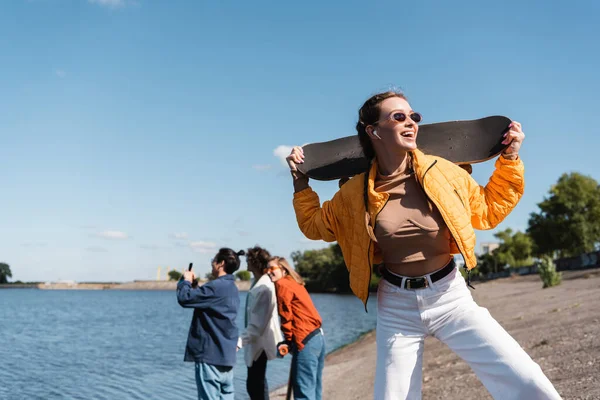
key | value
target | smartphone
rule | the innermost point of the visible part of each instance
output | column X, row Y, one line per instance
column 195, row 282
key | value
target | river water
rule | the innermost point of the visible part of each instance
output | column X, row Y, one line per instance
column 114, row 344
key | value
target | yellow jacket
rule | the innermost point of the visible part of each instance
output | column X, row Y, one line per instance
column 463, row 204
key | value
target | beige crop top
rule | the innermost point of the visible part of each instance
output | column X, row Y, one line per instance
column 410, row 229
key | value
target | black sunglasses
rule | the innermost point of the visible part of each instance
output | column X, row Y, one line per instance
column 401, row 117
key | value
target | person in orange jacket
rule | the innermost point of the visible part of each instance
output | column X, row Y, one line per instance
column 410, row 213
column 301, row 327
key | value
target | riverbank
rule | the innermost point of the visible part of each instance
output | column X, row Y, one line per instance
column 559, row 328
column 135, row 285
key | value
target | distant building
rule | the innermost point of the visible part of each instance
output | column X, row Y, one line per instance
column 489, row 247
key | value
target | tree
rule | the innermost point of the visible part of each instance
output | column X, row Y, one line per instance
column 5, row 273
column 174, row 275
column 243, row 275
column 487, row 263
column 323, row 269
column 514, row 250
column 568, row 223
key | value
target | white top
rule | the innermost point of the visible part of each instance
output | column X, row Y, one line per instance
column 263, row 330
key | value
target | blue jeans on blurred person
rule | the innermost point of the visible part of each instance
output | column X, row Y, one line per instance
column 214, row 382
column 307, row 369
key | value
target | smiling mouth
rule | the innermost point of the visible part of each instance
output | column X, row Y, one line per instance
column 408, row 134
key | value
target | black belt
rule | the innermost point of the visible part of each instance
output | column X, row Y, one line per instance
column 418, row 283
column 310, row 335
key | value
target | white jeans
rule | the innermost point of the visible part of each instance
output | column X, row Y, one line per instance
column 446, row 310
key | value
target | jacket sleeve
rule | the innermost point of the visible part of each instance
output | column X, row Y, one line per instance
column 316, row 222
column 286, row 313
column 199, row 297
column 492, row 203
column 259, row 316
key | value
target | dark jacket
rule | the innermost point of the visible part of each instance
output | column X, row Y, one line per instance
column 213, row 333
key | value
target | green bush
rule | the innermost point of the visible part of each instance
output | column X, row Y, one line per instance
column 548, row 273
column 243, row 275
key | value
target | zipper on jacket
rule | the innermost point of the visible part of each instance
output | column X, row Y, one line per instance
column 426, row 171
column 460, row 198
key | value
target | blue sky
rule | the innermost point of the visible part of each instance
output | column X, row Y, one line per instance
column 139, row 134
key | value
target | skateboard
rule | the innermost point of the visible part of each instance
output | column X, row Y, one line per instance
column 461, row 142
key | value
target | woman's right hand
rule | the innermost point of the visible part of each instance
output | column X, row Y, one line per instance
column 296, row 157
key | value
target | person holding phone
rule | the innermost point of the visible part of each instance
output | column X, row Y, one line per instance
column 213, row 335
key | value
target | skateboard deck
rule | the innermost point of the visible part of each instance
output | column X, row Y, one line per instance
column 461, row 142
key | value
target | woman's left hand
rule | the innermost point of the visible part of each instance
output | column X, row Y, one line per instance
column 514, row 137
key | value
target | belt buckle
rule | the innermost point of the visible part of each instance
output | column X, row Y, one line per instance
column 408, row 281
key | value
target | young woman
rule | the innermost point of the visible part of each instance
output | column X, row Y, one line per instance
column 301, row 326
column 412, row 212
column 213, row 336
column 263, row 332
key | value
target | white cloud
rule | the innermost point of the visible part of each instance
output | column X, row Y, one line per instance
column 116, row 235
column 149, row 246
column 179, row 235
column 262, row 167
column 282, row 152
column 203, row 247
column 109, row 3
column 60, row 73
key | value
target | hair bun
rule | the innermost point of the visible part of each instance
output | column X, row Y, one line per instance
column 241, row 253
